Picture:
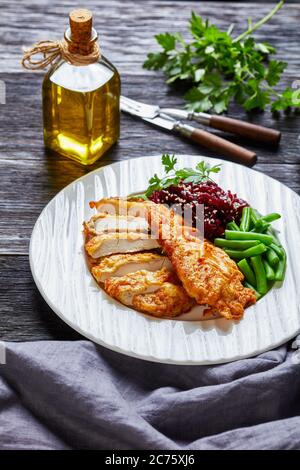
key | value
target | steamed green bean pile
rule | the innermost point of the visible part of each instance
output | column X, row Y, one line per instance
column 256, row 250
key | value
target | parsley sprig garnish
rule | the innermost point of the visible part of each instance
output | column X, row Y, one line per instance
column 219, row 68
column 173, row 177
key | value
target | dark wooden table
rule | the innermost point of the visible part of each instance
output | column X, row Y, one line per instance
column 30, row 176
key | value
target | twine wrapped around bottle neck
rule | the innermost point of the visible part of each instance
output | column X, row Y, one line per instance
column 53, row 51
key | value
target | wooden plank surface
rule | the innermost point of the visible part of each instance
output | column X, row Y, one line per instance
column 31, row 176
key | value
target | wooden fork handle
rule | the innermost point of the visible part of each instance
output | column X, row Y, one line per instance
column 224, row 147
column 245, row 129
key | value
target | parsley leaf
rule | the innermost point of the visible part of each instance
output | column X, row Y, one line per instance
column 205, row 169
column 167, row 41
column 154, row 184
column 275, row 69
column 217, row 68
column 168, row 162
column 286, row 100
column 187, row 175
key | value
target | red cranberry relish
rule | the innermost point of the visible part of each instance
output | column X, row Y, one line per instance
column 220, row 207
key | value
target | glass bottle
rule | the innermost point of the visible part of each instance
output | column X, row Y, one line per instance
column 81, row 103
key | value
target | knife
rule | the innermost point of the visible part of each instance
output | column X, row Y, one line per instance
column 206, row 139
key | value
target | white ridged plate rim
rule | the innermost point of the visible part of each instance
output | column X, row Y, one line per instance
column 61, row 274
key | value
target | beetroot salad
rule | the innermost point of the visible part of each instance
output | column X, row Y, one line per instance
column 193, row 187
column 220, row 207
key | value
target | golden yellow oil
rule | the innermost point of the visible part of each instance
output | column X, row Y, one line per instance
column 81, row 125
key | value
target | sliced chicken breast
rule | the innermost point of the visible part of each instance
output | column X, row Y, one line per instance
column 119, row 206
column 170, row 300
column 112, row 243
column 156, row 293
column 121, row 265
column 103, row 222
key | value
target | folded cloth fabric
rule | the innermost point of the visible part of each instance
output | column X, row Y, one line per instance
column 64, row 395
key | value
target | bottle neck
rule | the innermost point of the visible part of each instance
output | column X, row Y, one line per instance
column 82, row 47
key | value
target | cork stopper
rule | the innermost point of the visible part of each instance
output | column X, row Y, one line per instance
column 81, row 22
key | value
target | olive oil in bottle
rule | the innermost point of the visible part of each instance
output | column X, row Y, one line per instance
column 81, row 102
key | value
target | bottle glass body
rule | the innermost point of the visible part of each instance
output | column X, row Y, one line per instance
column 81, row 109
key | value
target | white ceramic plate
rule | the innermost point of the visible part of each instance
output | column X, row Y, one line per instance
column 61, row 274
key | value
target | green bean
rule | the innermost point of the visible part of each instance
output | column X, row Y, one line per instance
column 278, row 250
column 246, row 219
column 259, row 271
column 272, row 257
column 270, row 217
column 235, row 244
column 258, row 295
column 270, row 274
column 247, row 271
column 261, row 226
column 233, row 226
column 280, row 271
column 262, row 237
column 254, row 216
column 253, row 251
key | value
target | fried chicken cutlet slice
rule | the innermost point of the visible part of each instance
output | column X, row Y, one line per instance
column 156, row 293
column 123, row 264
column 107, row 223
column 122, row 206
column 206, row 271
column 119, row 242
column 210, row 276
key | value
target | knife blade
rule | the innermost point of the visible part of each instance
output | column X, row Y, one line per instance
column 163, row 122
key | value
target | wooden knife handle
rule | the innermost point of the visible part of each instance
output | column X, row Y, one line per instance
column 245, row 129
column 213, row 142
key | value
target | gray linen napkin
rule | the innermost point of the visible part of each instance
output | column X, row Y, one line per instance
column 76, row 395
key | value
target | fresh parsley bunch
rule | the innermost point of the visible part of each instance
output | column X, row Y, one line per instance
column 221, row 68
column 173, row 177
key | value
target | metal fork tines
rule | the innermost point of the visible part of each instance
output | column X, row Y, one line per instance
column 148, row 111
column 140, row 109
